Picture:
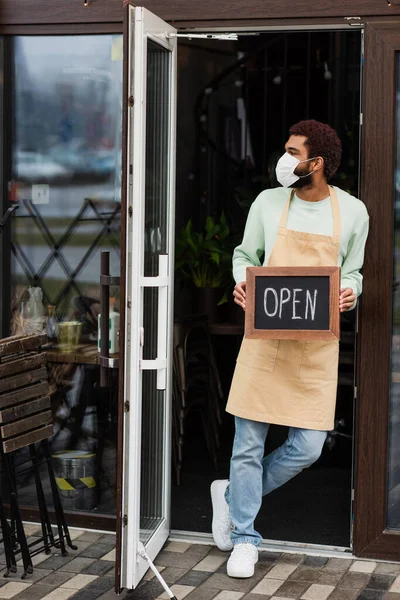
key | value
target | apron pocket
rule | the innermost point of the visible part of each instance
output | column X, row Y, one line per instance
column 320, row 361
column 259, row 354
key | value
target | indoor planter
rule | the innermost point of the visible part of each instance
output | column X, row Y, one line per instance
column 204, row 259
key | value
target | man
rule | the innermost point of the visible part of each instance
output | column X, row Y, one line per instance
column 287, row 382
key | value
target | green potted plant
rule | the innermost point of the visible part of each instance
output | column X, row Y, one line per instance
column 204, row 259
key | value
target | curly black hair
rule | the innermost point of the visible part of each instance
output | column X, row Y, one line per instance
column 322, row 141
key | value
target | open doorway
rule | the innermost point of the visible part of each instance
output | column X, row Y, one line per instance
column 237, row 99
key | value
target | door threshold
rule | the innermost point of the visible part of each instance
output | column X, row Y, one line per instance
column 195, row 537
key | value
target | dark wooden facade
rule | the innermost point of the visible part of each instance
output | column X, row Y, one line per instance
column 39, row 12
column 382, row 41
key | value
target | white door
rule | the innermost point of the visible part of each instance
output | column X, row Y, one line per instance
column 150, row 55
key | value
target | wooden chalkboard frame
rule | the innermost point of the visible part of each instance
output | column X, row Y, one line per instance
column 302, row 334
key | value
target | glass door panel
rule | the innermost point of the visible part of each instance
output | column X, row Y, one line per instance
column 65, row 154
column 150, row 239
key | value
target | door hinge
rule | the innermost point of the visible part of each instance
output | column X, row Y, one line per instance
column 129, row 303
column 130, row 211
column 131, row 101
column 355, row 392
column 125, row 520
column 361, row 118
column 127, row 406
column 352, row 495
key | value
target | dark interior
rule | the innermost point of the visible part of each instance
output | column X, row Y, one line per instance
column 270, row 81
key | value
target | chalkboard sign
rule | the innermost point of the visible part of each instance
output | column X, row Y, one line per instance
column 292, row 303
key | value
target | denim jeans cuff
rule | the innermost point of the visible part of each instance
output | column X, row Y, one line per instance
column 246, row 540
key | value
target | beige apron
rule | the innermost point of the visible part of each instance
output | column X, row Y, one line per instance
column 291, row 382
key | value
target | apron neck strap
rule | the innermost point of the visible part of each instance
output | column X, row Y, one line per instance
column 335, row 212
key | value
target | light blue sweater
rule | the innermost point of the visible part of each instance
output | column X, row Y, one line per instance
column 310, row 217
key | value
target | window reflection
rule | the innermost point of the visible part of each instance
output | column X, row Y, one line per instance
column 66, row 167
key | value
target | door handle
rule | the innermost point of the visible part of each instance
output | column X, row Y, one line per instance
column 160, row 363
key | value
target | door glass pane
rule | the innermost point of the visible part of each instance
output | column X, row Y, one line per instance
column 157, row 195
column 393, row 510
column 66, row 169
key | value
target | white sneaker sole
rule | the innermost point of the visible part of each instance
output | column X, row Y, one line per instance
column 239, row 572
column 222, row 544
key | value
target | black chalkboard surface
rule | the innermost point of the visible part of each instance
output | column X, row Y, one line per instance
column 292, row 302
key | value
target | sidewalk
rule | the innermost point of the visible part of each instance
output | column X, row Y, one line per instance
column 198, row 572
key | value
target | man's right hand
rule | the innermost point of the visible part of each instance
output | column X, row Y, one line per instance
column 239, row 294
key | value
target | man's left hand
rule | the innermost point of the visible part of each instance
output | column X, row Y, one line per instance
column 346, row 299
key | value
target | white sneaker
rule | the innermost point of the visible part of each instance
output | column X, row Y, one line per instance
column 221, row 523
column 242, row 560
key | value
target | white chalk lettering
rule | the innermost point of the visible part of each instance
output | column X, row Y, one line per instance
column 295, row 291
column 266, row 302
column 311, row 304
column 283, row 300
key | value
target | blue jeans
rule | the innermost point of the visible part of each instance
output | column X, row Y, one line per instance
column 253, row 476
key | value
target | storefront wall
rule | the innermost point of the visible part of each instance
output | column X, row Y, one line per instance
column 371, row 534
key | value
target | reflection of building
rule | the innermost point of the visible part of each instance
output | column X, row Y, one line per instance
column 64, row 92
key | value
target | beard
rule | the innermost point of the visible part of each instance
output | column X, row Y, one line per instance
column 304, row 181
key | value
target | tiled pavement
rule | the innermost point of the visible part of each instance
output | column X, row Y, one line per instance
column 198, row 572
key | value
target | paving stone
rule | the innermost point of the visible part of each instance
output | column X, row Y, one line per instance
column 331, row 578
column 90, row 536
column 293, row 589
column 211, row 563
column 305, row 574
column 293, row 559
column 150, row 575
column 395, row 587
column 392, row 596
column 110, row 595
column 380, row 582
column 344, row 594
column 56, row 578
column 199, row 549
column 100, row 567
column 315, row 561
column 179, row 547
column 81, row 546
column 73, row 533
column 221, row 581
column 59, row 594
column 96, row 550
column 173, row 559
column 35, row 592
column 12, row 588
column 354, row 580
column 387, row 569
column 79, row 581
column 172, row 574
column 363, row 566
column 56, row 562
column 269, row 556
column 371, row 595
column 317, row 592
column 108, row 539
column 95, row 590
column 147, row 591
column 229, row 595
column 267, row 586
column 37, row 575
column 194, row 578
column 109, row 556
column 255, row 597
column 180, row 592
column 77, row 565
column 281, row 571
column 338, row 564
column 204, row 593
